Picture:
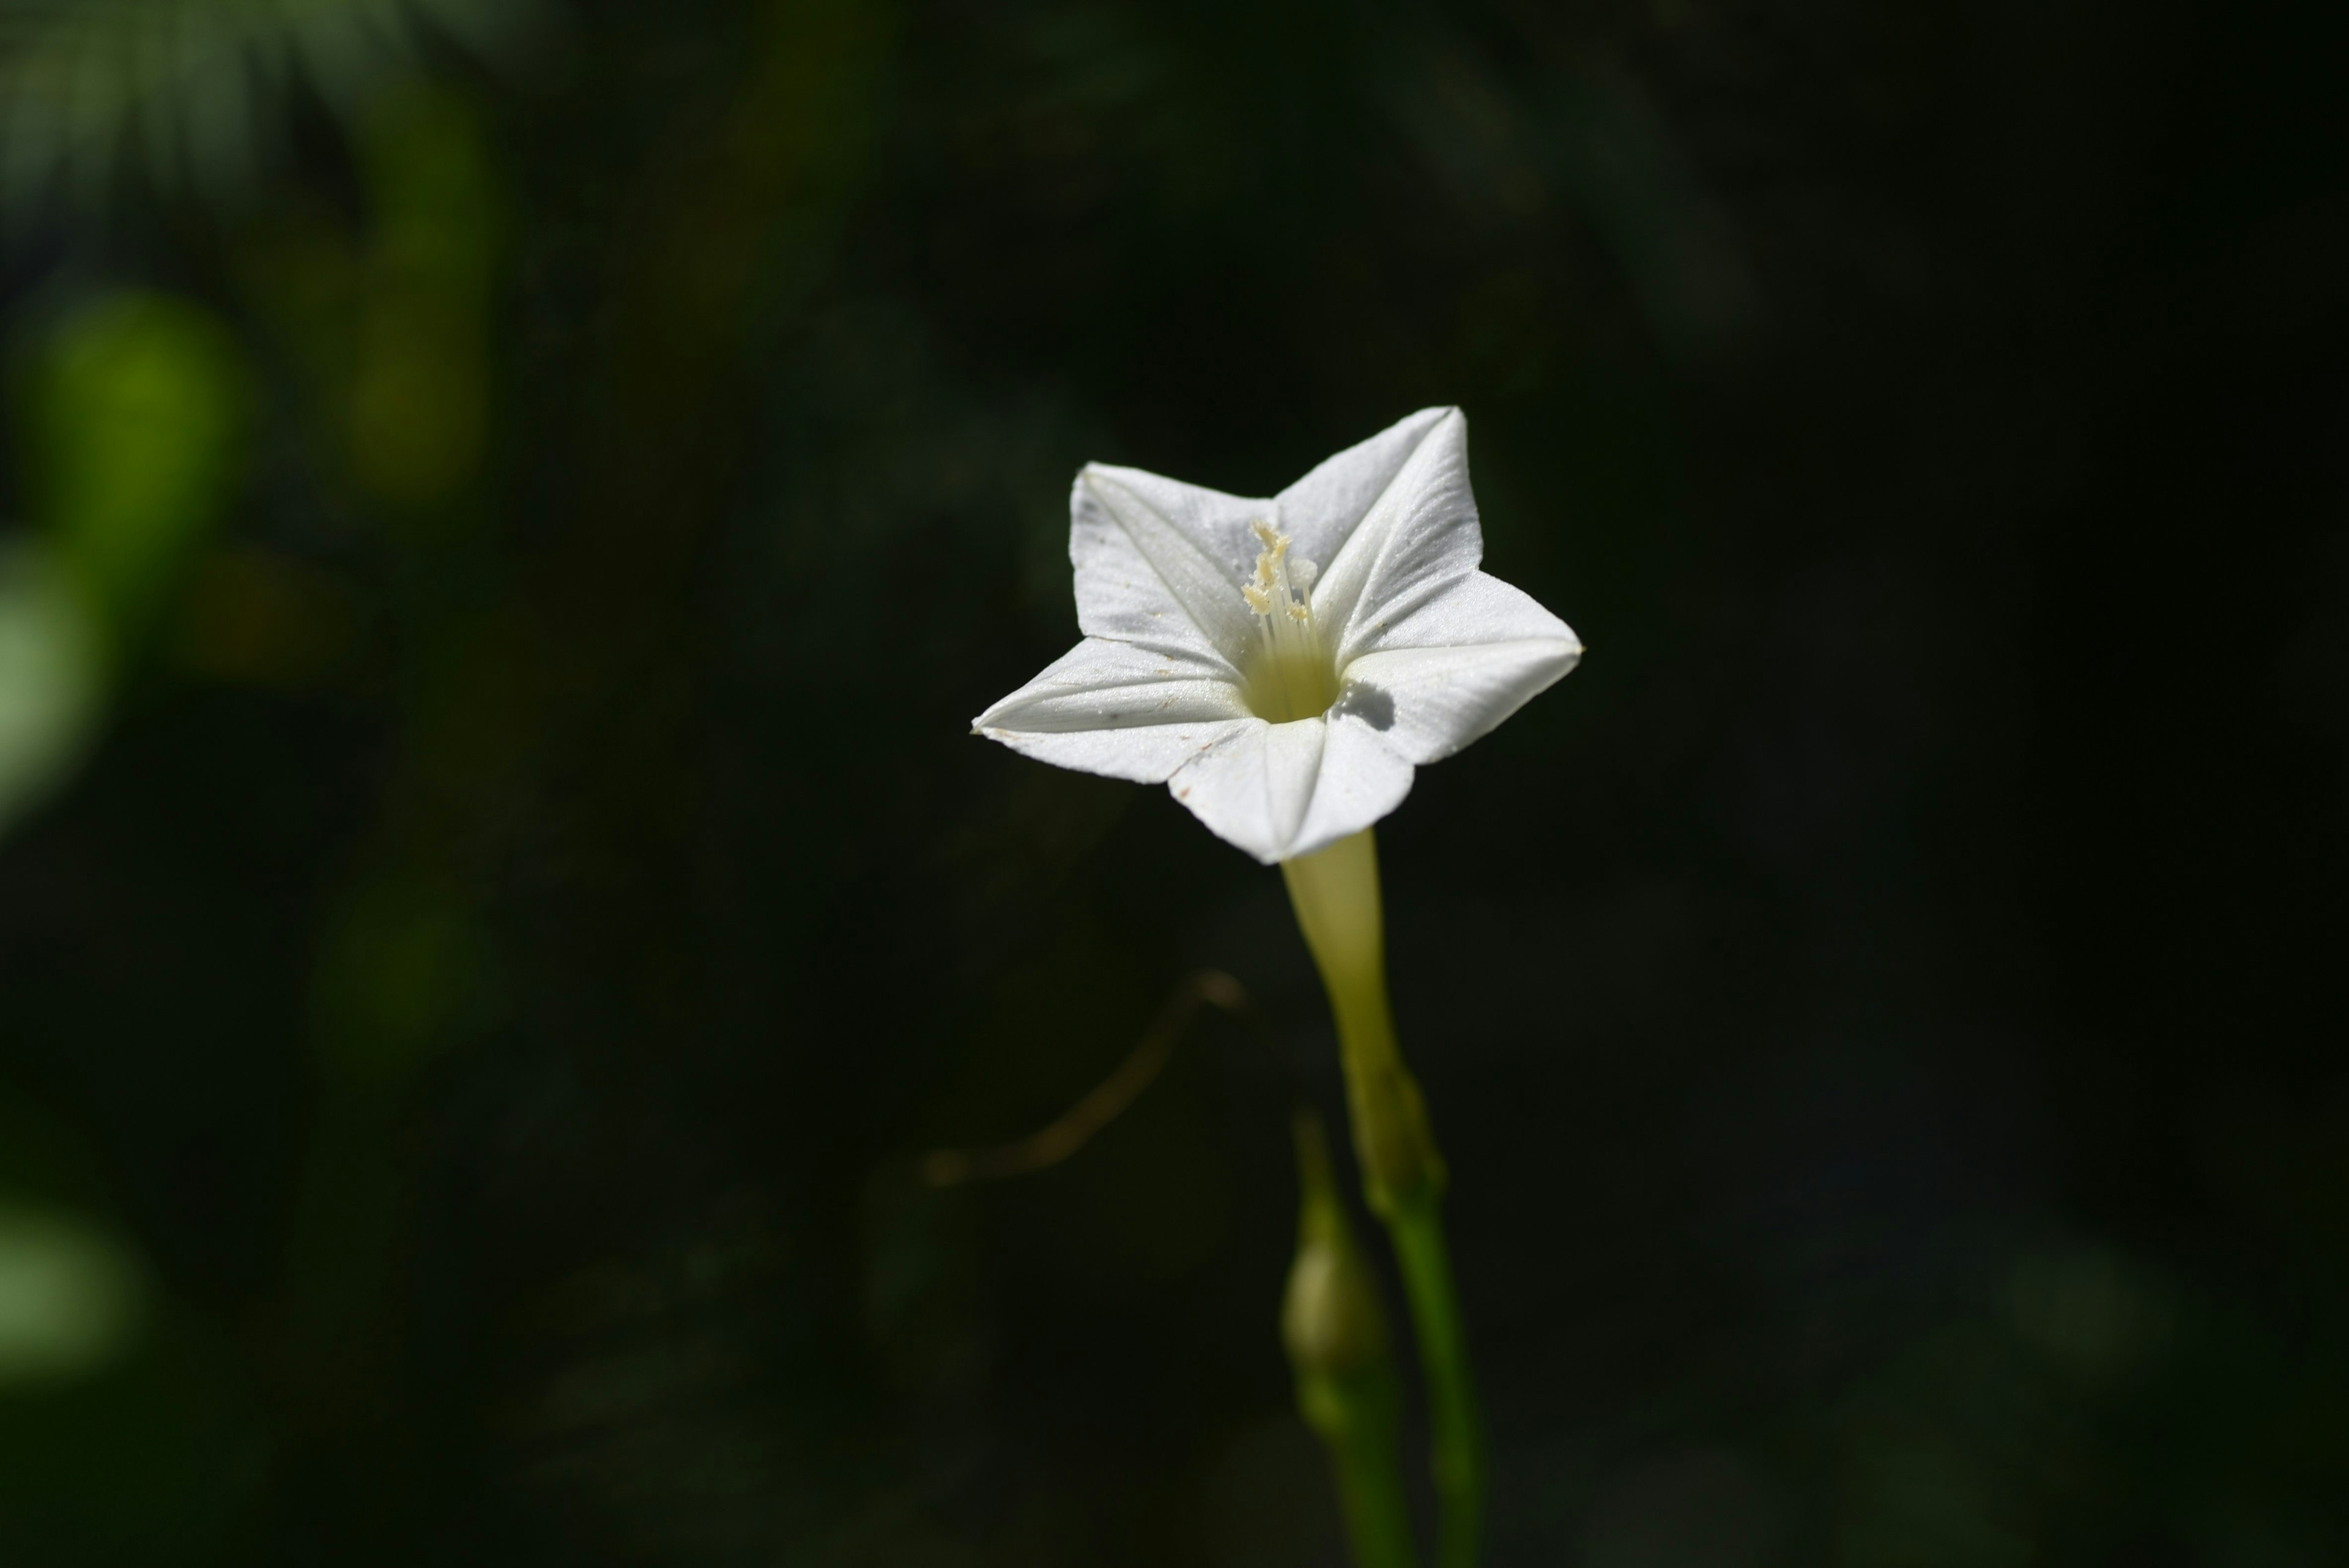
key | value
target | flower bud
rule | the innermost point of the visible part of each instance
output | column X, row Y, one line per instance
column 1330, row 1320
column 1336, row 1333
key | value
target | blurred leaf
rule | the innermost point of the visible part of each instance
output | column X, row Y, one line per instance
column 2091, row 1311
column 70, row 1297
column 258, row 617
column 136, row 408
column 186, row 89
column 405, row 969
column 125, row 1435
column 418, row 398
column 152, row 1459
column 50, row 679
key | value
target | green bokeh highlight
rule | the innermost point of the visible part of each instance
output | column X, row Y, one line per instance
column 137, row 406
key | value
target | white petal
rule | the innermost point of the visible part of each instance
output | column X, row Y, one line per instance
column 1115, row 708
column 1478, row 607
column 1161, row 562
column 1252, row 787
column 1486, row 649
column 1283, row 789
column 1320, row 510
column 1363, row 777
column 1323, row 508
column 1419, row 536
column 1145, row 756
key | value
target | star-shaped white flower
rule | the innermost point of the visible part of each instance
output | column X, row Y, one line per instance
column 1286, row 706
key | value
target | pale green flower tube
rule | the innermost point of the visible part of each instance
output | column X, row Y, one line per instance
column 1336, row 894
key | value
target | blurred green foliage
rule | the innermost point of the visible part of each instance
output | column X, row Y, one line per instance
column 132, row 408
column 52, row 664
column 69, row 1296
column 135, row 411
column 127, row 1435
column 420, row 394
column 192, row 95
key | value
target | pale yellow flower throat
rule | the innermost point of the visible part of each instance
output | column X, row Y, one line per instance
column 1291, row 675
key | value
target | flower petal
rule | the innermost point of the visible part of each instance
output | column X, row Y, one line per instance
column 1363, row 777
column 1482, row 649
column 1419, row 536
column 1320, row 511
column 1283, row 789
column 1478, row 607
column 1115, row 708
column 1251, row 788
column 1160, row 563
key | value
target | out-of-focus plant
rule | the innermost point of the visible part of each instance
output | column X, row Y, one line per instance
column 132, row 408
column 136, row 408
column 386, row 325
column 416, row 418
column 389, row 322
column 69, row 1296
column 49, row 680
column 128, row 1436
column 186, row 91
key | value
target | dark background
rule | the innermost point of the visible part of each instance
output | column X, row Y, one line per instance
column 513, row 892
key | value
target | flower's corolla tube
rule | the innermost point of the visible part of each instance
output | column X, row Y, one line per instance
column 1286, row 706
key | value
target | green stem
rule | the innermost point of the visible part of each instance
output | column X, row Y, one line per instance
column 1457, row 1426
column 1336, row 894
column 1364, row 1447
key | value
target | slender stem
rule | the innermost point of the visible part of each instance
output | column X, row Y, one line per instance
column 1336, row 894
column 1456, row 1425
column 1365, row 1457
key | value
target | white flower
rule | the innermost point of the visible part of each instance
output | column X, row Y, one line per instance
column 1287, row 707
